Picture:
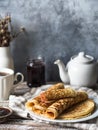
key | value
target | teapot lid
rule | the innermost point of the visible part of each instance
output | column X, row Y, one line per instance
column 81, row 57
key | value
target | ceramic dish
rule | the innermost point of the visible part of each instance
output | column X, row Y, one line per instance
column 59, row 121
column 5, row 112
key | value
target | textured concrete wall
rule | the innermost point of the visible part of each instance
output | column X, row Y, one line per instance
column 54, row 29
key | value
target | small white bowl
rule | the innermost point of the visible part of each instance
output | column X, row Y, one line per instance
column 5, row 112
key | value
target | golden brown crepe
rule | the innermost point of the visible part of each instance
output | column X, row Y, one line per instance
column 37, row 101
column 31, row 103
column 56, row 86
column 54, row 110
column 41, row 107
column 55, row 94
column 80, row 110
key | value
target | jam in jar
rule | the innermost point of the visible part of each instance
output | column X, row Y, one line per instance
column 35, row 72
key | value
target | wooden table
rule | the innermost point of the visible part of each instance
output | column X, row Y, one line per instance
column 19, row 123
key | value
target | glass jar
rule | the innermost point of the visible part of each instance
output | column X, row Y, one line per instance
column 35, row 72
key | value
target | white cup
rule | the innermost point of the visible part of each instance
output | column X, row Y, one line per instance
column 7, row 79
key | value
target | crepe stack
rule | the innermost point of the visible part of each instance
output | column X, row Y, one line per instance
column 57, row 100
column 37, row 105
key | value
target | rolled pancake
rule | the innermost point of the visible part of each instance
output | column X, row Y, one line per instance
column 41, row 107
column 54, row 110
column 80, row 110
column 55, row 94
column 31, row 103
column 56, row 86
column 37, row 101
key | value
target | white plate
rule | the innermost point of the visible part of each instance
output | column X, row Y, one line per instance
column 61, row 121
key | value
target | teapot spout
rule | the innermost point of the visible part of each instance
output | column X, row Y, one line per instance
column 63, row 71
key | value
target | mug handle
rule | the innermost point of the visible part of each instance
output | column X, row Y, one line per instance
column 16, row 79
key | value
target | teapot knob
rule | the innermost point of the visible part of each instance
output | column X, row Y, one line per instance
column 81, row 54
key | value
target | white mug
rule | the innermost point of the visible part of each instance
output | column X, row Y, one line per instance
column 7, row 79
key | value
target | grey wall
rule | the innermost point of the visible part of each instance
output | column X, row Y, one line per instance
column 54, row 29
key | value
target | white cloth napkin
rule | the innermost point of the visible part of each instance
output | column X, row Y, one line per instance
column 17, row 103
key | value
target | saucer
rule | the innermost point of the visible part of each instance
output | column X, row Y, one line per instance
column 5, row 112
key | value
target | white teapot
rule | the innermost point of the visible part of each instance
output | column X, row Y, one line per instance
column 81, row 70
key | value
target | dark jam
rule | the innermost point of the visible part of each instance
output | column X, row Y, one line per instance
column 4, row 111
column 35, row 73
